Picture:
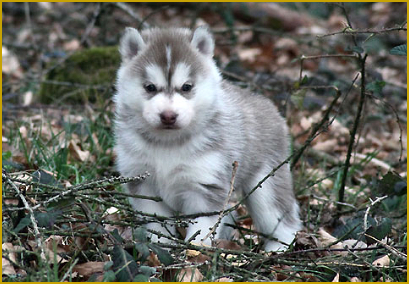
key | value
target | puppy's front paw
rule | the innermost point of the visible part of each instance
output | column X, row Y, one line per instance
column 274, row 246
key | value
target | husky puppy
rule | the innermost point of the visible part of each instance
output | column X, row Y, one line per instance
column 179, row 120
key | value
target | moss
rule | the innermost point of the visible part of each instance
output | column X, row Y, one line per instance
column 87, row 75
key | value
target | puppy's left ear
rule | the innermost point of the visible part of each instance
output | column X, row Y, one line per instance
column 131, row 44
column 203, row 41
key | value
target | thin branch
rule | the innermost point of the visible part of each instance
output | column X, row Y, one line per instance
column 89, row 185
column 233, row 176
column 318, row 126
column 312, row 57
column 375, row 161
column 341, row 191
column 378, row 199
column 144, row 20
column 303, row 57
column 350, row 31
column 397, row 121
column 91, row 24
column 332, row 250
column 342, row 5
column 393, row 250
column 69, row 271
column 128, row 9
column 246, row 28
column 29, row 25
column 33, row 220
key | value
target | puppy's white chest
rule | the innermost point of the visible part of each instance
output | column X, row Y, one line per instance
column 177, row 167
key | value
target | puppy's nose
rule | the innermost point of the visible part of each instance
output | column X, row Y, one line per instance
column 168, row 117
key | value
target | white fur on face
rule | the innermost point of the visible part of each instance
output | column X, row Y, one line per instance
column 188, row 107
column 184, row 108
column 129, row 89
column 168, row 58
column 181, row 75
column 175, row 102
column 159, row 103
column 155, row 76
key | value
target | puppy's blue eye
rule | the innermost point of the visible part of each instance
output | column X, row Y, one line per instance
column 150, row 88
column 187, row 87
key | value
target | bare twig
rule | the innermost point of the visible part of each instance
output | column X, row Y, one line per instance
column 30, row 25
column 30, row 210
column 247, row 28
column 378, row 199
column 393, row 250
column 73, row 85
column 69, row 271
column 397, row 121
column 331, row 250
column 303, row 57
column 350, row 31
column 233, row 176
column 91, row 24
column 375, row 161
column 361, row 61
column 144, row 20
column 314, row 132
column 128, row 9
column 342, row 5
column 89, row 185
column 353, row 131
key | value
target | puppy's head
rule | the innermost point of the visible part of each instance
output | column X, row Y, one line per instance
column 167, row 78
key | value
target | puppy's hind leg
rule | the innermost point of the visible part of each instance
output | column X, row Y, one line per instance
column 274, row 211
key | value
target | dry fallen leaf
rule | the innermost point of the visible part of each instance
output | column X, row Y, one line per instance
column 305, row 123
column 96, row 141
column 27, row 98
column 77, row 153
column 336, row 278
column 72, row 45
column 307, row 277
column 9, row 251
column 88, row 268
column 153, row 260
column 307, row 240
column 13, row 201
column 110, row 215
column 10, row 63
column 192, row 253
column 226, row 244
column 55, row 244
column 224, row 279
column 338, row 129
column 7, row 268
column 279, row 272
column 195, row 256
column 326, row 146
column 350, row 243
column 325, row 237
column 383, row 261
column 189, row 275
column 249, row 54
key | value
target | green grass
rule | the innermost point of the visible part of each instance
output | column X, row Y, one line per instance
column 80, row 217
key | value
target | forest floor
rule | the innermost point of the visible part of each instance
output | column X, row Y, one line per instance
column 65, row 216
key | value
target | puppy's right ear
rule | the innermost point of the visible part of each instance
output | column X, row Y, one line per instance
column 131, row 44
column 203, row 41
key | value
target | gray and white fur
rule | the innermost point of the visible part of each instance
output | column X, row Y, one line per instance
column 179, row 120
